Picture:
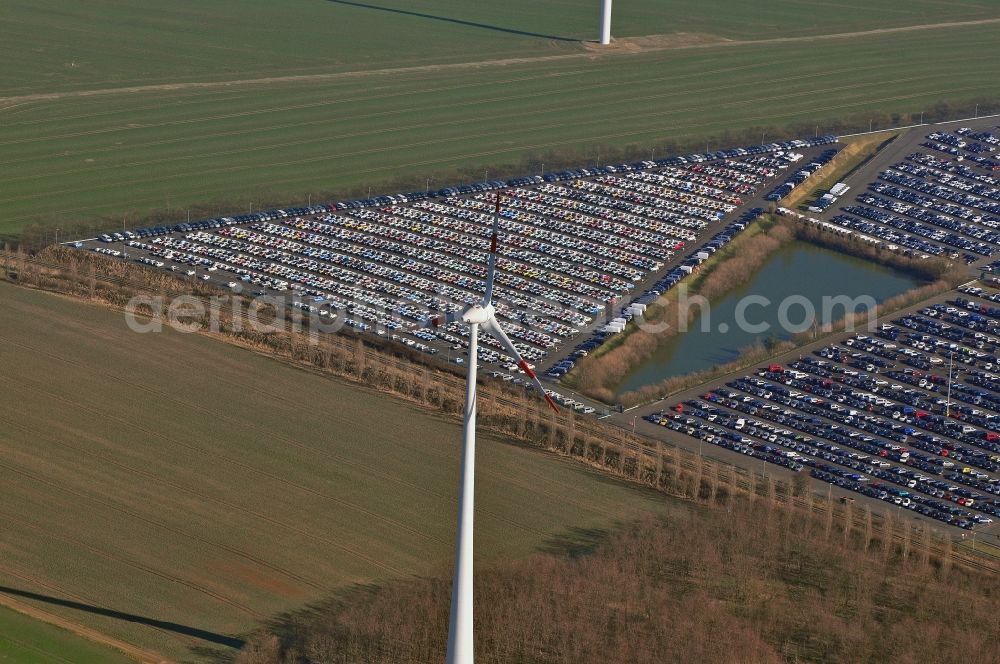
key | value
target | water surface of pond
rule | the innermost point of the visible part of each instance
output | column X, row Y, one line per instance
column 797, row 269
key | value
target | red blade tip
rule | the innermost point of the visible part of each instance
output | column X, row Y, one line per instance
column 551, row 403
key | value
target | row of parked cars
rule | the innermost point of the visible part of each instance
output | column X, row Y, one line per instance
column 319, row 237
column 208, row 224
column 801, row 175
column 941, row 200
column 909, row 414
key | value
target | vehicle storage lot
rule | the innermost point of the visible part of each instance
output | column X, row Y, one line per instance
column 871, row 413
column 867, row 414
column 573, row 243
column 934, row 192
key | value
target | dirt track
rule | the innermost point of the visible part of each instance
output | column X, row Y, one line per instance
column 629, row 46
column 143, row 656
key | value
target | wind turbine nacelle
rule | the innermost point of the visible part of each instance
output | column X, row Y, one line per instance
column 477, row 314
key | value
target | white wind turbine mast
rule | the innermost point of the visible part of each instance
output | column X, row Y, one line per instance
column 460, row 637
column 605, row 22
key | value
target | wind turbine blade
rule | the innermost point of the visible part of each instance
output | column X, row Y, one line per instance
column 491, row 326
column 441, row 320
column 491, row 264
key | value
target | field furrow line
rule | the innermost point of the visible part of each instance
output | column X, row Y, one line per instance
column 109, row 459
column 324, row 452
column 265, row 432
column 349, row 550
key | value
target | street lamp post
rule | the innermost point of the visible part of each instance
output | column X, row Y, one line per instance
column 951, row 361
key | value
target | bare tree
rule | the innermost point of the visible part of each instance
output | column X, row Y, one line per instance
column 868, row 526
column 359, row 358
column 848, row 521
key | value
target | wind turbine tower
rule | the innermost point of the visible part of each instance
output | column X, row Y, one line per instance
column 480, row 315
column 605, row 22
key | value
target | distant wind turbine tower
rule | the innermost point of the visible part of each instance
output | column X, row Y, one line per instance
column 479, row 315
column 605, row 22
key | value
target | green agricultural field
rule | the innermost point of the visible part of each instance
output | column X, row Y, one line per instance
column 177, row 491
column 24, row 640
column 256, row 102
column 50, row 45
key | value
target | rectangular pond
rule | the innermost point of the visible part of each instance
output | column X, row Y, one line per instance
column 795, row 277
